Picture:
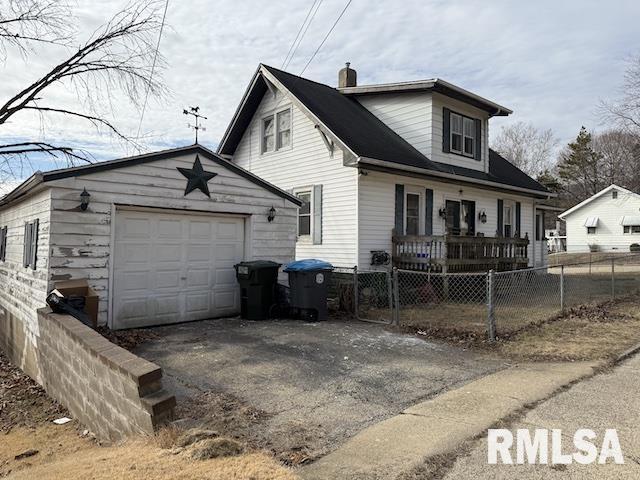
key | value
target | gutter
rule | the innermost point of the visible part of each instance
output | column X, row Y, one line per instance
column 451, row 176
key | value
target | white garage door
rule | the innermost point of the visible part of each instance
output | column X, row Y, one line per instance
column 174, row 267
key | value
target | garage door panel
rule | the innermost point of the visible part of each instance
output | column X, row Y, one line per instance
column 171, row 267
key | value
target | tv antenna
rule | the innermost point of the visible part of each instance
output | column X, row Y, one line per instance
column 194, row 112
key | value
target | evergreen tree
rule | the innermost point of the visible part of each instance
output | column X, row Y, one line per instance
column 579, row 167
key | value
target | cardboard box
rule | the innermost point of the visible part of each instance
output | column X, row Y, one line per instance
column 81, row 287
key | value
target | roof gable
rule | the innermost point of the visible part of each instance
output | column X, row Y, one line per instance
column 613, row 186
column 44, row 177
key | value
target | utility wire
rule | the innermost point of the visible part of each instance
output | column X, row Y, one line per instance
column 153, row 68
column 303, row 34
column 298, row 34
column 326, row 36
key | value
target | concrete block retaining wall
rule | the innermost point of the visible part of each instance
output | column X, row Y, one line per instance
column 111, row 391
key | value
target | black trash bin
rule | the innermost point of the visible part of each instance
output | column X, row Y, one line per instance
column 308, row 281
column 257, row 281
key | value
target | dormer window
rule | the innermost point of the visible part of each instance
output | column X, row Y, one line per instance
column 463, row 135
column 276, row 131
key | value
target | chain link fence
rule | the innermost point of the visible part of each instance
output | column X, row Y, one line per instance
column 492, row 303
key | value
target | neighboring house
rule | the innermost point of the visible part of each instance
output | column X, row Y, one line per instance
column 609, row 221
column 406, row 159
column 157, row 240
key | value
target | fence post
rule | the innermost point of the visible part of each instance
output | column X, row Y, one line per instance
column 396, row 295
column 390, row 292
column 613, row 279
column 355, row 291
column 491, row 319
column 562, row 289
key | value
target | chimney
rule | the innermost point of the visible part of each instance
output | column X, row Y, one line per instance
column 347, row 77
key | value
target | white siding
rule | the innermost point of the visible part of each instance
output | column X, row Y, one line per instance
column 437, row 155
column 81, row 242
column 377, row 209
column 609, row 234
column 407, row 114
column 22, row 289
column 307, row 163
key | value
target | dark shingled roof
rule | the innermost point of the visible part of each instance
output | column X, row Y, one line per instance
column 364, row 133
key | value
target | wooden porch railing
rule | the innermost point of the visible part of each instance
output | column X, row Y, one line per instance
column 453, row 253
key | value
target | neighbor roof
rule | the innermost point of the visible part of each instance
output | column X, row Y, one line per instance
column 42, row 177
column 362, row 133
column 597, row 195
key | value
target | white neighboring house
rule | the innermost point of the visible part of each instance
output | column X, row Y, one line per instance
column 410, row 159
column 609, row 221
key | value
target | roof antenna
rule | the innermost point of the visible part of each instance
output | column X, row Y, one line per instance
column 194, row 112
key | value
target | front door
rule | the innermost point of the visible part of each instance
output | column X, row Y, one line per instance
column 453, row 217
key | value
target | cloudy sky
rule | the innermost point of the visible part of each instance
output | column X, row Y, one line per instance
column 549, row 61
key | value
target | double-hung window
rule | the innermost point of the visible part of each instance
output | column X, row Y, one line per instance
column 463, row 135
column 508, row 220
column 304, row 213
column 276, row 131
column 412, row 214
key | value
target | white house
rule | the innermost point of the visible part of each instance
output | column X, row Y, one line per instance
column 408, row 158
column 609, row 221
column 157, row 238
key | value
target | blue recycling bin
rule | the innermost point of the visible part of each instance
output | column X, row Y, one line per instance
column 308, row 281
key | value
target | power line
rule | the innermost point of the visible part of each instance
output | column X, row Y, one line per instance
column 303, row 34
column 298, row 34
column 326, row 36
column 153, row 68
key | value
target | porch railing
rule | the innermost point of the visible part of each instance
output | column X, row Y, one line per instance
column 454, row 253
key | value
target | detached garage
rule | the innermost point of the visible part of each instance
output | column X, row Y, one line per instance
column 155, row 235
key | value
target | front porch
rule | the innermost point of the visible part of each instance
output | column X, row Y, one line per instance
column 459, row 253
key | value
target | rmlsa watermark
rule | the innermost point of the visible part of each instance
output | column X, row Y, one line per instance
column 546, row 447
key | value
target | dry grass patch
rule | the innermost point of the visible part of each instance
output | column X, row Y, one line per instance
column 64, row 455
column 587, row 332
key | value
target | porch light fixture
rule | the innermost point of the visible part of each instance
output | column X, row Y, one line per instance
column 482, row 216
column 272, row 214
column 442, row 212
column 84, row 199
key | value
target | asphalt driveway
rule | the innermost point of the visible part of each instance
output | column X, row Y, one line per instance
column 320, row 382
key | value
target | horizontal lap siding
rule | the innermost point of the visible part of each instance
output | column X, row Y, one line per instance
column 407, row 114
column 306, row 163
column 81, row 241
column 23, row 290
column 609, row 234
column 377, row 209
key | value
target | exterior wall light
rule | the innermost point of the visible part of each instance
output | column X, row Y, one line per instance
column 442, row 212
column 84, row 199
column 482, row 216
column 272, row 214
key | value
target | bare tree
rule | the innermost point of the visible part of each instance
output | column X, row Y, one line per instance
column 620, row 157
column 117, row 57
column 527, row 147
column 625, row 111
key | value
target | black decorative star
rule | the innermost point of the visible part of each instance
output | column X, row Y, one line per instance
column 197, row 178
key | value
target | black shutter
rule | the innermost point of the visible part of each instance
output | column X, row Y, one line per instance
column 34, row 244
column 399, row 223
column 478, row 139
column 27, row 245
column 500, row 228
column 518, row 211
column 446, row 129
column 428, row 218
column 3, row 244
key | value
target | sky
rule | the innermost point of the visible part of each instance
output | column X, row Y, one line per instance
column 551, row 62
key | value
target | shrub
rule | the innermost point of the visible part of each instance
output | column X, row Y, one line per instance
column 634, row 247
column 594, row 247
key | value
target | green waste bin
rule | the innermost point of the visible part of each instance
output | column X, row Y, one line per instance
column 257, row 281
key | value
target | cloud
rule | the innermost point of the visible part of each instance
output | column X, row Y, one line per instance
column 549, row 61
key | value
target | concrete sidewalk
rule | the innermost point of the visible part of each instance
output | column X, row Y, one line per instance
column 607, row 400
column 440, row 425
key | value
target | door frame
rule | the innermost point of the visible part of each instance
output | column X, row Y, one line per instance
column 115, row 207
